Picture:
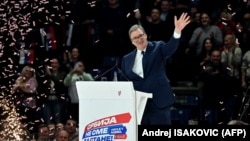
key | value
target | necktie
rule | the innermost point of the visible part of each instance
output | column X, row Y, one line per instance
column 142, row 52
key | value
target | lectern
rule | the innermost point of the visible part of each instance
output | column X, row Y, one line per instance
column 109, row 110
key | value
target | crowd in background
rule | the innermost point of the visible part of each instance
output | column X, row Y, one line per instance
column 213, row 55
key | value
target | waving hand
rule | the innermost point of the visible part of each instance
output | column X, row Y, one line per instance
column 181, row 23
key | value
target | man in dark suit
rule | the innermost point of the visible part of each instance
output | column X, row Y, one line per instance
column 145, row 67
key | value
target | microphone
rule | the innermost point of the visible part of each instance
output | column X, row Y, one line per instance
column 109, row 70
column 122, row 74
column 99, row 76
column 116, row 62
column 112, row 68
column 120, row 71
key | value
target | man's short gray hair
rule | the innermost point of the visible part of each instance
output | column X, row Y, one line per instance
column 135, row 27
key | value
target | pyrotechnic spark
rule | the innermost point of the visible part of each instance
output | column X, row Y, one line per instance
column 17, row 19
column 12, row 128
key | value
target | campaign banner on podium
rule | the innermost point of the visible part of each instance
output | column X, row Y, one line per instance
column 107, row 111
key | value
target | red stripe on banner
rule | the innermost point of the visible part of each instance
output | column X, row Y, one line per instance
column 123, row 118
column 115, row 119
column 120, row 136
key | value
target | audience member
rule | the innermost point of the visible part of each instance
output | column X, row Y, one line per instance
column 245, row 32
column 59, row 126
column 204, row 31
column 72, row 128
column 52, row 131
column 112, row 25
column 245, row 70
column 55, row 106
column 43, row 131
column 76, row 74
column 62, row 135
column 207, row 48
column 231, row 57
column 212, row 81
column 213, row 8
column 167, row 12
column 155, row 27
column 25, row 92
column 226, row 23
column 195, row 23
column 146, row 6
column 70, row 58
column 245, row 84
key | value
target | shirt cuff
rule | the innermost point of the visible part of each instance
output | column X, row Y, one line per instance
column 177, row 35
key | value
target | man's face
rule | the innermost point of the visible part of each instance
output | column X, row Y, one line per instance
column 139, row 39
column 55, row 64
column 75, row 53
column 155, row 15
column 197, row 18
column 205, row 20
column 62, row 136
column 216, row 57
column 51, row 129
column 70, row 126
column 165, row 6
column 44, row 131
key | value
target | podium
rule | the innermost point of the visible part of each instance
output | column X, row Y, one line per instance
column 109, row 110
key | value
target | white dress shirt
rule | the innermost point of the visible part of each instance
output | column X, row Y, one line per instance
column 137, row 68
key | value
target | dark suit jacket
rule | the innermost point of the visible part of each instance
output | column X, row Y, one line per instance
column 155, row 80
